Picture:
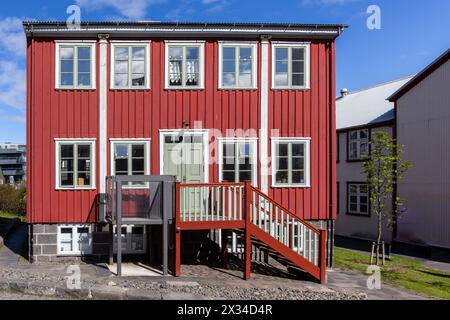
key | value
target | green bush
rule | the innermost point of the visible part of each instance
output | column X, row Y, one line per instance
column 13, row 200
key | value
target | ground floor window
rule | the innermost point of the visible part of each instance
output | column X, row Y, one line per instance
column 237, row 160
column 358, row 198
column 74, row 240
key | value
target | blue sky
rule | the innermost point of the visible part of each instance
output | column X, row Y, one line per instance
column 413, row 33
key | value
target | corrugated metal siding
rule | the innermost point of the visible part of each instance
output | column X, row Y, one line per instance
column 423, row 124
column 140, row 114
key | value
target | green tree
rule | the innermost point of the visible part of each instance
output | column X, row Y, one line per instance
column 383, row 168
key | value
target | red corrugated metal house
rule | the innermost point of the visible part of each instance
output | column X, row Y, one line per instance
column 213, row 104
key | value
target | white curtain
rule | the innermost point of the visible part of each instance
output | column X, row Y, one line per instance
column 192, row 70
column 175, row 71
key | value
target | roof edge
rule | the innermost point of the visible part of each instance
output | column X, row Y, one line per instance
column 420, row 76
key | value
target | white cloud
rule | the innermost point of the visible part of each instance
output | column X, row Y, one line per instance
column 130, row 9
column 12, row 37
column 12, row 85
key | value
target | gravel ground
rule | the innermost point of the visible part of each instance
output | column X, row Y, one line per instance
column 232, row 290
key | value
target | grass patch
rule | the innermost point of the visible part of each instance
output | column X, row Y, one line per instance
column 7, row 215
column 400, row 271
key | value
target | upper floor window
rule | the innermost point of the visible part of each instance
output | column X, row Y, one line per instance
column 75, row 65
column 130, row 65
column 290, row 66
column 237, row 65
column 290, row 162
column 75, row 161
column 358, row 144
column 184, row 65
column 358, row 199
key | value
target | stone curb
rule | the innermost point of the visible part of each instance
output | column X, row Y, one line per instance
column 97, row 292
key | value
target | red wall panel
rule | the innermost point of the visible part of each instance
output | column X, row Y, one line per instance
column 141, row 113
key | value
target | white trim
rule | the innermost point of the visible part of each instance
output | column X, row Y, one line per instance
column 75, row 139
column 254, row 47
column 103, row 114
column 203, row 132
column 254, row 142
column 201, row 57
column 147, row 61
column 58, row 142
column 264, row 125
column 78, row 43
column 74, row 228
column 146, row 142
column 307, row 71
column 307, row 157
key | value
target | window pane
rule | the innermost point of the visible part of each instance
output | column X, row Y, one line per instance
column 138, row 66
column 138, row 80
column 66, row 151
column 353, row 135
column 282, row 163
column 66, row 53
column 66, row 165
column 245, row 66
column 245, row 53
column 137, row 150
column 363, row 134
column 298, row 149
column 84, row 79
column 363, row 188
column 138, row 53
column 281, row 67
column 84, row 151
column 84, row 66
column 281, row 53
column 281, row 79
column 121, row 80
column 298, row 67
column 229, row 79
column 84, row 179
column 84, row 53
column 298, row 54
column 229, row 53
column 282, row 149
column 121, row 53
column 245, row 176
column 228, row 164
column 298, row 79
column 66, row 179
column 67, row 79
column 67, row 66
column 353, row 188
column 245, row 80
column 121, row 151
column 121, row 67
column 138, row 165
column 353, row 207
column 192, row 72
column 228, row 150
column 363, row 208
column 298, row 177
column 84, row 165
column 228, row 176
column 281, row 177
column 229, row 66
column 298, row 163
column 192, row 53
column 121, row 165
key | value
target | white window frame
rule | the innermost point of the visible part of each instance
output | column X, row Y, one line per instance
column 307, row 170
column 254, row 47
column 201, row 74
column 74, row 228
column 147, row 61
column 145, row 142
column 358, row 200
column 289, row 45
column 253, row 142
column 78, row 43
column 358, row 141
column 58, row 143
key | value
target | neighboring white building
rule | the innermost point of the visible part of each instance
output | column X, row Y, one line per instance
column 423, row 126
column 358, row 115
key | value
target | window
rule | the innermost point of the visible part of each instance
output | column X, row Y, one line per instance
column 237, row 160
column 184, row 65
column 290, row 162
column 75, row 65
column 358, row 144
column 133, row 239
column 130, row 65
column 238, row 65
column 358, row 199
column 290, row 66
column 130, row 157
column 75, row 161
column 74, row 240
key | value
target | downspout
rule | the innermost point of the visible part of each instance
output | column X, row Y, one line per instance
column 394, row 196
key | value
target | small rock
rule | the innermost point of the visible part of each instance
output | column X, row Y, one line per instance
column 112, row 283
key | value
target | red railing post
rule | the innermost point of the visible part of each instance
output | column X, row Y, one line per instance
column 177, row 230
column 323, row 256
column 247, row 217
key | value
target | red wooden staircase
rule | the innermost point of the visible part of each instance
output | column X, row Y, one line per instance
column 265, row 224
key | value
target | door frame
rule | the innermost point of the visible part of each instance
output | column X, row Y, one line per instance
column 205, row 135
